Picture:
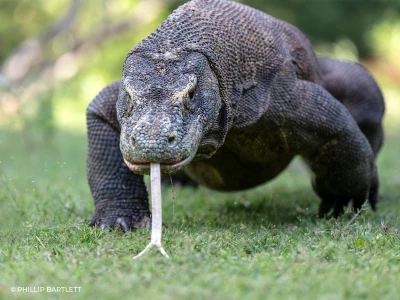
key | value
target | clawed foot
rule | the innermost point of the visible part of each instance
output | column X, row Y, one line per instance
column 333, row 206
column 125, row 223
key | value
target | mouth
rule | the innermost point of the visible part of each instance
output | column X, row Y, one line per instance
column 144, row 168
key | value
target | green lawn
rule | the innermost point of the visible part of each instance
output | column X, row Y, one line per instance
column 263, row 243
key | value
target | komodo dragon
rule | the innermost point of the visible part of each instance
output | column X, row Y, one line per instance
column 231, row 95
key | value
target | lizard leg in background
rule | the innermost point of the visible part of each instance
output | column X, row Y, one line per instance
column 179, row 179
column 120, row 195
column 339, row 154
column 354, row 87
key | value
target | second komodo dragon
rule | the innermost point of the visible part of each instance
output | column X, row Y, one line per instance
column 231, row 95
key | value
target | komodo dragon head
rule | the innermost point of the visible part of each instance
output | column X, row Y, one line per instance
column 167, row 103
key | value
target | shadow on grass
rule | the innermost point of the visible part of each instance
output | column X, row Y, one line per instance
column 262, row 207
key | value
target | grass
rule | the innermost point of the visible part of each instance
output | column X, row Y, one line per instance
column 259, row 244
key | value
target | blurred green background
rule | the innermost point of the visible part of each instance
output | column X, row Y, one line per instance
column 55, row 56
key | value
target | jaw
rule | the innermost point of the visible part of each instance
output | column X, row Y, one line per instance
column 171, row 159
column 166, row 168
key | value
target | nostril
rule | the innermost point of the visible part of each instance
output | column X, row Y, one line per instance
column 133, row 140
column 172, row 137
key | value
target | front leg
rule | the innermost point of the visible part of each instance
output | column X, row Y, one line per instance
column 120, row 196
column 322, row 130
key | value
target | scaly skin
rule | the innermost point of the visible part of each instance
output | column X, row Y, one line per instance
column 231, row 95
column 120, row 195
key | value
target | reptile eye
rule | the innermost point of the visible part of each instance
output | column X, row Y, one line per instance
column 129, row 110
column 191, row 94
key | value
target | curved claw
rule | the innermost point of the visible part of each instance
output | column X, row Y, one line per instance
column 332, row 206
column 124, row 223
column 121, row 222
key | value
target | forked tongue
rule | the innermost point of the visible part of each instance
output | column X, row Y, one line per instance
column 156, row 211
